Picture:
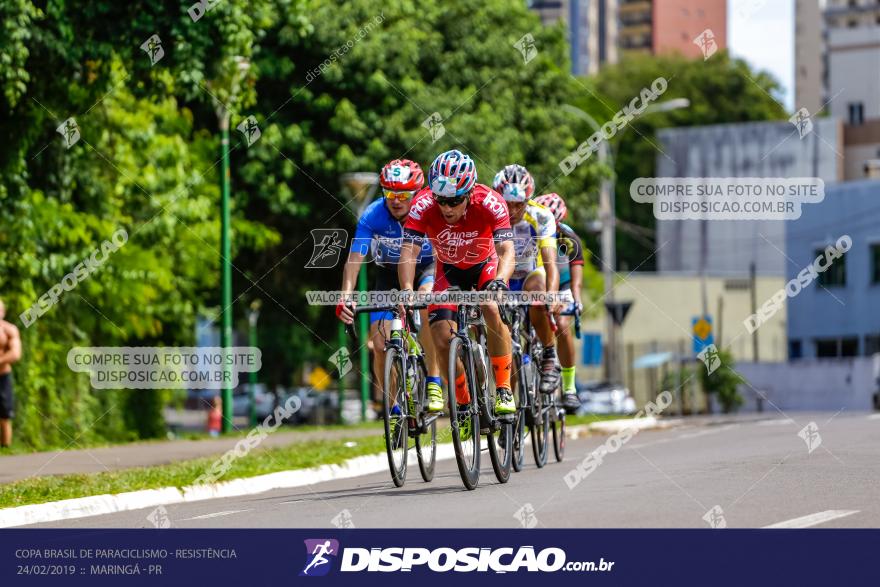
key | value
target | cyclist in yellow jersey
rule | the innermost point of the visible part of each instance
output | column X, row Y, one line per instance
column 534, row 239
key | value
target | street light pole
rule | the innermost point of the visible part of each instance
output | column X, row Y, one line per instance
column 359, row 188
column 225, row 266
column 608, row 220
column 223, row 116
column 253, row 316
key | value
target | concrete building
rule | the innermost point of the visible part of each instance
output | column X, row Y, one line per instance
column 810, row 80
column 658, row 26
column 751, row 149
column 592, row 30
column 660, row 321
column 837, row 315
column 837, row 60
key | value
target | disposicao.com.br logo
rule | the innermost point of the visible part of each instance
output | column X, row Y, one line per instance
column 445, row 559
column 320, row 553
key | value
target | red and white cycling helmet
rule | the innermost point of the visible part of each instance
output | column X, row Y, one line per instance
column 555, row 204
column 452, row 174
column 515, row 183
column 402, row 175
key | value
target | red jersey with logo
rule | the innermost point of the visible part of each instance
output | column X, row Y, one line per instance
column 469, row 241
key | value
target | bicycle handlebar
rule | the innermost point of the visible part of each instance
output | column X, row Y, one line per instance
column 352, row 332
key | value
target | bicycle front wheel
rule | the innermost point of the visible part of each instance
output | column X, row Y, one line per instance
column 501, row 450
column 559, row 434
column 464, row 419
column 396, row 437
column 426, row 439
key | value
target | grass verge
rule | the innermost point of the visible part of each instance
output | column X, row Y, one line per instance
column 258, row 462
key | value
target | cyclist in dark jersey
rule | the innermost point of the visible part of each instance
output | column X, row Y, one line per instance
column 570, row 261
column 379, row 233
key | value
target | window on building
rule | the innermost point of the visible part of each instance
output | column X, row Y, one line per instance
column 835, row 274
column 837, row 347
column 872, row 344
column 856, row 113
column 795, row 350
column 826, row 348
column 875, row 263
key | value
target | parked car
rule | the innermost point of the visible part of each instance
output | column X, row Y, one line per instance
column 241, row 401
column 200, row 399
column 603, row 397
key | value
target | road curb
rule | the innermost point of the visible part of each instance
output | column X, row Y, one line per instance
column 606, row 427
column 97, row 505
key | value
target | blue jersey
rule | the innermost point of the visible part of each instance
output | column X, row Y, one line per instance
column 380, row 233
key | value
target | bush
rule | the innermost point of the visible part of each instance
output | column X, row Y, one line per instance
column 723, row 382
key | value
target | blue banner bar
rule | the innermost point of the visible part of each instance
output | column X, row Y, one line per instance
column 434, row 557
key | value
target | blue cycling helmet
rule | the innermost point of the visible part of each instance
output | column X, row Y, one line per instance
column 452, row 174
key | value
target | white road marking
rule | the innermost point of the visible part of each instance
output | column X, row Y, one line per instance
column 779, row 422
column 813, row 519
column 215, row 515
column 874, row 417
column 685, row 436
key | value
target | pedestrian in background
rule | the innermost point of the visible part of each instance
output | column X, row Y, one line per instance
column 10, row 352
column 215, row 417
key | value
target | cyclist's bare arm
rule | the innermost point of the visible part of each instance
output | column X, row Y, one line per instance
column 548, row 254
column 506, row 259
column 349, row 277
column 577, row 278
column 406, row 267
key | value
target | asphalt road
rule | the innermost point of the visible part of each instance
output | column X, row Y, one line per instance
column 749, row 473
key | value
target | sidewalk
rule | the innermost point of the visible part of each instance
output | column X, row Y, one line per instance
column 145, row 454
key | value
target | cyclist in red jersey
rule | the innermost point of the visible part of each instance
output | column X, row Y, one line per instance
column 468, row 226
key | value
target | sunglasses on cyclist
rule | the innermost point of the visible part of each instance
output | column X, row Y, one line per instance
column 449, row 202
column 399, row 196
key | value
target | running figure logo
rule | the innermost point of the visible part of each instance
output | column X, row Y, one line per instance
column 527, row 47
column 328, row 245
column 153, row 48
column 802, row 121
column 70, row 131
column 250, row 130
column 710, row 357
column 317, row 552
column 707, row 44
column 434, row 124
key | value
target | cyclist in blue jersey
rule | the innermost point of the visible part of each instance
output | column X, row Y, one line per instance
column 378, row 234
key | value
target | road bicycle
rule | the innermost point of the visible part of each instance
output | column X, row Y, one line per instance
column 468, row 351
column 526, row 379
column 405, row 380
column 556, row 409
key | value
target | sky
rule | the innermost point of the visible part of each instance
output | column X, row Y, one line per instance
column 762, row 33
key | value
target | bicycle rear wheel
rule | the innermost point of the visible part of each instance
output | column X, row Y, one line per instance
column 467, row 450
column 540, row 428
column 426, row 441
column 518, row 428
column 559, row 433
column 396, row 437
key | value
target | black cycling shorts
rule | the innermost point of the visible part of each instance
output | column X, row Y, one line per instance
column 7, row 400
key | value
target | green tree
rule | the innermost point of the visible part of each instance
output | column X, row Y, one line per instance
column 143, row 164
